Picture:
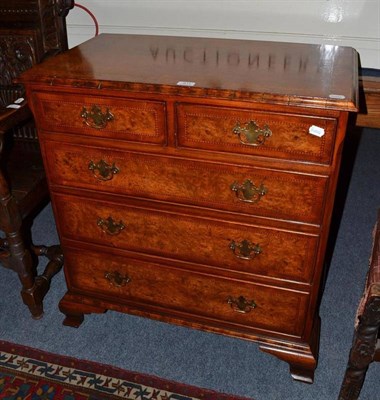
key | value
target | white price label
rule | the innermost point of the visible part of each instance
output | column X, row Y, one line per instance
column 337, row 96
column 316, row 131
column 185, row 83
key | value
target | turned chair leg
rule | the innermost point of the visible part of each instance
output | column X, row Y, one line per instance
column 363, row 350
column 17, row 257
column 14, row 254
column 34, row 287
column 42, row 282
column 54, row 255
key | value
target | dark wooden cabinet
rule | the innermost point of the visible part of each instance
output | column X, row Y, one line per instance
column 193, row 180
column 30, row 32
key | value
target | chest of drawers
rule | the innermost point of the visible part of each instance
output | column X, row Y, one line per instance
column 193, row 180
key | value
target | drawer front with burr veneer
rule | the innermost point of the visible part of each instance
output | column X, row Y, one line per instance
column 203, row 296
column 255, row 132
column 111, row 117
column 233, row 188
column 252, row 249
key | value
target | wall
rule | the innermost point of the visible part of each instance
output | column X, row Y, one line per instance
column 354, row 23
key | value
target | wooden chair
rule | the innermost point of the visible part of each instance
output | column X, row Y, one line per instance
column 30, row 31
column 366, row 343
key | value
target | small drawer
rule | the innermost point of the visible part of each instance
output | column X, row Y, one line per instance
column 244, row 190
column 259, row 133
column 246, row 249
column 108, row 117
column 195, row 295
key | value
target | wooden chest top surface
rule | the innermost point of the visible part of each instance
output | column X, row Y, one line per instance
column 323, row 76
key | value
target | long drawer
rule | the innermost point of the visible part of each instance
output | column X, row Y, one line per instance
column 222, row 244
column 195, row 295
column 269, row 134
column 109, row 117
column 247, row 190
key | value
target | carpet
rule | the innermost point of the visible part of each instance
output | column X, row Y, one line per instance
column 27, row 373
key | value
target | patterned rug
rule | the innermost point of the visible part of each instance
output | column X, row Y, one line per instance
column 27, row 373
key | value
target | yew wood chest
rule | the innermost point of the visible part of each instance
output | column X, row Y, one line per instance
column 193, row 180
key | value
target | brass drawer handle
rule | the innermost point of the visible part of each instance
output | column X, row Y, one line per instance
column 241, row 304
column 110, row 227
column 95, row 118
column 250, row 134
column 116, row 279
column 248, row 191
column 102, row 170
column 245, row 249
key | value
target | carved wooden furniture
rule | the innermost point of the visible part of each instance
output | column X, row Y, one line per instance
column 193, row 180
column 365, row 346
column 30, row 31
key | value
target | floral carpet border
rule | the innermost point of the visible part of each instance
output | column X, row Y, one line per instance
column 34, row 374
